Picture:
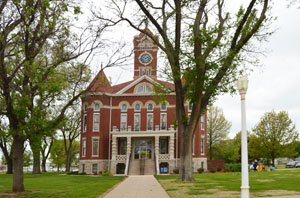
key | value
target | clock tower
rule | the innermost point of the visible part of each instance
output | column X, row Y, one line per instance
column 145, row 56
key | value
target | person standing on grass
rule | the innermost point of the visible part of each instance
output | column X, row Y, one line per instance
column 255, row 165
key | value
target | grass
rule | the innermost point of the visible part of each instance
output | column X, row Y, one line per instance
column 270, row 183
column 56, row 185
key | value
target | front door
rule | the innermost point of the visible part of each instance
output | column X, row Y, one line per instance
column 143, row 149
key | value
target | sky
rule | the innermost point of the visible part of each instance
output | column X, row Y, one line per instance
column 273, row 86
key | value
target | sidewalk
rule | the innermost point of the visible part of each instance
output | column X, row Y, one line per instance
column 138, row 186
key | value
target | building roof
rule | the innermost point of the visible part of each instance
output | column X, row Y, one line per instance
column 100, row 84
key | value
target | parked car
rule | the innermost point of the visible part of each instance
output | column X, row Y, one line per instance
column 291, row 164
column 298, row 165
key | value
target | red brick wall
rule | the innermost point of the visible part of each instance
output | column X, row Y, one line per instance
column 217, row 164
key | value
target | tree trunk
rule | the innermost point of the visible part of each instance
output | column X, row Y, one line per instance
column 9, row 163
column 35, row 145
column 36, row 162
column 44, row 165
column 68, row 159
column 18, row 179
column 185, row 168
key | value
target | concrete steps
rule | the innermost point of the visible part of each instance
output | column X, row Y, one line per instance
column 136, row 169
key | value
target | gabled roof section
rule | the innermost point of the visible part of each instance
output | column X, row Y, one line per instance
column 126, row 86
column 100, row 83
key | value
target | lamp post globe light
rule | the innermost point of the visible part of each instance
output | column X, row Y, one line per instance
column 242, row 86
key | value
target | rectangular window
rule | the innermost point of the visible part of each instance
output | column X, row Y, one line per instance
column 141, row 71
column 96, row 122
column 202, row 145
column 202, row 123
column 163, row 121
column 83, row 147
column 123, row 146
column 123, row 126
column 95, row 147
column 137, row 121
column 83, row 168
column 163, row 146
column 95, row 168
column 84, row 122
column 150, row 121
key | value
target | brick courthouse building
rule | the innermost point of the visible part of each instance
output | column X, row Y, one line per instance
column 126, row 131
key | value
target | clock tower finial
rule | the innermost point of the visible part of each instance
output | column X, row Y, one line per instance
column 145, row 54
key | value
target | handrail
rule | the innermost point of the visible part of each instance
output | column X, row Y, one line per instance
column 127, row 163
column 157, row 164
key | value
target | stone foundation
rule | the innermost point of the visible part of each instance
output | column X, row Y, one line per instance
column 102, row 165
column 199, row 163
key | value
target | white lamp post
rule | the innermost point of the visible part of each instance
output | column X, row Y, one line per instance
column 242, row 85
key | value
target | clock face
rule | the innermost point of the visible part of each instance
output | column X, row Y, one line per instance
column 145, row 58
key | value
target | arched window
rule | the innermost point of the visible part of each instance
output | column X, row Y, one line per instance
column 140, row 89
column 148, row 88
column 137, row 107
column 150, row 107
column 96, row 107
column 85, row 107
column 124, row 107
column 163, row 107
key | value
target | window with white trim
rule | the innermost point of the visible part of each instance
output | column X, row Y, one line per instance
column 95, row 146
column 85, row 107
column 124, row 108
column 96, row 122
column 137, row 107
column 96, row 107
column 123, row 126
column 163, row 107
column 94, row 168
column 83, row 149
column 202, row 122
column 163, row 121
column 149, row 121
column 137, row 121
column 202, row 145
column 150, row 107
column 84, row 122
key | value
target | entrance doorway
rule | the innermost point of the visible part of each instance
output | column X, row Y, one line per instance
column 143, row 149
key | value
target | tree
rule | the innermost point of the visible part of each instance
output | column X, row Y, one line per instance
column 205, row 47
column 277, row 135
column 6, row 146
column 70, row 131
column 57, row 154
column 47, row 143
column 298, row 150
column 217, row 128
column 27, row 158
column 36, row 45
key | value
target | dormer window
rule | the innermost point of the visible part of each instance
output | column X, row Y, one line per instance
column 144, row 88
column 96, row 107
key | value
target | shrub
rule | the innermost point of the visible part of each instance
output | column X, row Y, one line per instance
column 212, row 170
column 176, row 170
column 226, row 169
column 73, row 173
column 100, row 172
column 200, row 170
column 107, row 173
column 82, row 173
column 219, row 169
column 234, row 167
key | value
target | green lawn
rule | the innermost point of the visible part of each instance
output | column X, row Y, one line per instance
column 275, row 183
column 57, row 185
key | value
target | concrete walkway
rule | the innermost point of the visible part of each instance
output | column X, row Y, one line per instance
column 137, row 186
